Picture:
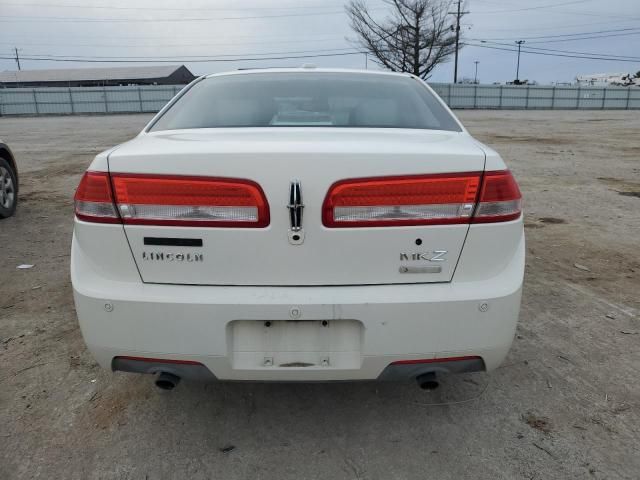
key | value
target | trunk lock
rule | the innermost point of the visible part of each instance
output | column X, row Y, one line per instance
column 296, row 237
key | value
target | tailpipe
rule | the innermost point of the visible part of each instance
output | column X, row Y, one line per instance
column 428, row 381
column 167, row 381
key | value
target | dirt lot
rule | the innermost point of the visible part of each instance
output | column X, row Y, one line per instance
column 566, row 403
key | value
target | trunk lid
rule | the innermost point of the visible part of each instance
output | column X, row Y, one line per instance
column 316, row 158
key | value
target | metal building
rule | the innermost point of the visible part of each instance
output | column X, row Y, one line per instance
column 92, row 77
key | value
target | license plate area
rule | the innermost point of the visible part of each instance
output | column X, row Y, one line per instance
column 302, row 344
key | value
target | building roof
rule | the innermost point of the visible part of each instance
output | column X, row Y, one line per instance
column 87, row 74
column 600, row 75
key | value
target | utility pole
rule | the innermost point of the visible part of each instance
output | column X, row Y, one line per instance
column 475, row 77
column 17, row 57
column 459, row 14
column 519, row 42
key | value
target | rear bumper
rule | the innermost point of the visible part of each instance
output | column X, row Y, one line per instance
column 196, row 371
column 386, row 324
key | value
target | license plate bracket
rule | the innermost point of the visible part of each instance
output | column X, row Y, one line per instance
column 301, row 344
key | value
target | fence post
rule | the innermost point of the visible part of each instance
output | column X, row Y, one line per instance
column 500, row 98
column 1, row 105
column 140, row 99
column 628, row 98
column 553, row 98
column 475, row 96
column 73, row 110
column 35, row 101
column 578, row 98
column 526, row 104
column 449, row 95
column 604, row 96
column 106, row 105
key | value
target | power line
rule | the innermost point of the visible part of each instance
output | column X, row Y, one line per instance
column 568, row 34
column 324, row 52
column 286, row 57
column 539, row 7
column 150, row 37
column 307, row 54
column 155, row 8
column 580, row 12
column 317, row 37
column 567, row 39
column 29, row 18
column 157, row 45
column 626, row 57
column 112, row 57
column 558, row 27
column 178, row 60
column 18, row 18
column 549, row 54
column 609, row 35
column 601, row 15
column 563, row 40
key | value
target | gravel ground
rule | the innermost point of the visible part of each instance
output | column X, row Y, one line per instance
column 566, row 403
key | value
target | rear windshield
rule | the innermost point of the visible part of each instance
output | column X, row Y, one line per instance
column 307, row 100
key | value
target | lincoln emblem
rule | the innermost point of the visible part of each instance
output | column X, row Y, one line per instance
column 296, row 207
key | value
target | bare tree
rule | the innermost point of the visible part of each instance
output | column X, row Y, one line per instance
column 415, row 37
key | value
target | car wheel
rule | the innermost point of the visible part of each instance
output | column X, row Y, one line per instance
column 8, row 189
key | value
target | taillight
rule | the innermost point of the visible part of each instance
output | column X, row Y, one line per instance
column 500, row 198
column 189, row 201
column 423, row 200
column 394, row 201
column 94, row 200
column 180, row 201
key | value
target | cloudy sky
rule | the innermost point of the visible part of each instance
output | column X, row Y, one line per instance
column 225, row 30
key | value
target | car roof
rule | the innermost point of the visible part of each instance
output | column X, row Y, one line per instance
column 309, row 70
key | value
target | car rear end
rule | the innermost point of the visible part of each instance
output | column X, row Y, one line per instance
column 262, row 242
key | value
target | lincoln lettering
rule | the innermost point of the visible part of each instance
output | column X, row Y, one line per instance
column 172, row 257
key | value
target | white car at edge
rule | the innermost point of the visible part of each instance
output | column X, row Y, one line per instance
column 299, row 225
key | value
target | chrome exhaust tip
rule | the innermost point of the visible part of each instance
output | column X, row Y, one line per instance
column 428, row 381
column 167, row 381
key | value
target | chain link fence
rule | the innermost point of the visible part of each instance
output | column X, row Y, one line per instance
column 151, row 98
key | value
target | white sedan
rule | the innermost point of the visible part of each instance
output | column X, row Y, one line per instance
column 299, row 225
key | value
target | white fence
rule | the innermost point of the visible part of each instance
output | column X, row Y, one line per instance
column 524, row 97
column 85, row 100
column 150, row 99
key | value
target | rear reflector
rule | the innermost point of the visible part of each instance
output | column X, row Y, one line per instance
column 435, row 360
column 178, row 200
column 93, row 199
column 158, row 360
column 423, row 200
column 394, row 201
column 500, row 198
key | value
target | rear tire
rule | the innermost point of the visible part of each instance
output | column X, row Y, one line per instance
column 8, row 189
